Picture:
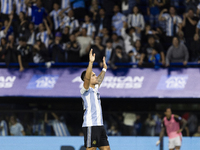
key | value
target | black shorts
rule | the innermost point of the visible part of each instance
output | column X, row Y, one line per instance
column 95, row 136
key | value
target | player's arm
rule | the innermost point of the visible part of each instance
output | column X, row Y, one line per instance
column 182, row 120
column 103, row 72
column 88, row 73
column 161, row 133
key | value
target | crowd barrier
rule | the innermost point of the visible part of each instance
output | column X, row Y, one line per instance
column 76, row 143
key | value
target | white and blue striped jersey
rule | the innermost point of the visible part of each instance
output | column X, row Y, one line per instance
column 136, row 21
column 44, row 37
column 117, row 22
column 65, row 4
column 59, row 128
column 6, row 6
column 56, row 18
column 170, row 21
column 20, row 6
column 71, row 22
column 92, row 107
column 4, row 130
column 90, row 28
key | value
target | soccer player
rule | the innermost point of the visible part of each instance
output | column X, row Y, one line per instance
column 171, row 124
column 93, row 129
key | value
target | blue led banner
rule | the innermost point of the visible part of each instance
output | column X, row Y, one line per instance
column 121, row 83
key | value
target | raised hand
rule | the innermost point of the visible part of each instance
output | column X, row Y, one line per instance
column 91, row 56
column 104, row 63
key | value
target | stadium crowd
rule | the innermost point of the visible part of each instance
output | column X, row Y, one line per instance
column 116, row 124
column 144, row 32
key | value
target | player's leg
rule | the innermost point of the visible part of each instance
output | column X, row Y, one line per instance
column 104, row 148
column 177, row 148
column 104, row 144
column 89, row 138
column 91, row 148
column 178, row 142
column 171, row 144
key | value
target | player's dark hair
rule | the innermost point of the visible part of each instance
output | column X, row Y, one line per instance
column 83, row 75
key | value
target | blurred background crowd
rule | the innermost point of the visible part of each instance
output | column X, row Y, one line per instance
column 116, row 124
column 139, row 31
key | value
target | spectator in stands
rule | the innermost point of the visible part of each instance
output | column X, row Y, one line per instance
column 69, row 21
column 105, row 36
column 181, row 37
column 109, row 51
column 191, row 4
column 23, row 26
column 98, row 49
column 16, row 128
column 38, row 13
column 153, row 52
column 147, row 32
column 118, row 57
column 55, row 16
column 6, row 9
column 150, row 126
column 31, row 34
column 129, row 36
column 24, row 52
column 65, row 4
column 20, row 6
column 89, row 26
column 153, row 12
column 10, row 28
column 129, row 120
column 2, row 56
column 177, row 53
column 65, row 35
column 173, row 22
column 59, row 125
column 197, row 134
column 127, row 6
column 198, row 28
column 117, row 20
column 117, row 41
column 101, row 21
column 94, row 8
column 56, row 48
column 10, row 51
column 135, row 53
column 136, row 20
column 85, row 44
column 44, row 33
column 113, row 131
column 73, row 50
column 158, row 120
column 192, row 123
column 40, row 53
column 194, row 49
column 78, row 6
column 3, row 126
column 189, row 23
column 138, row 126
